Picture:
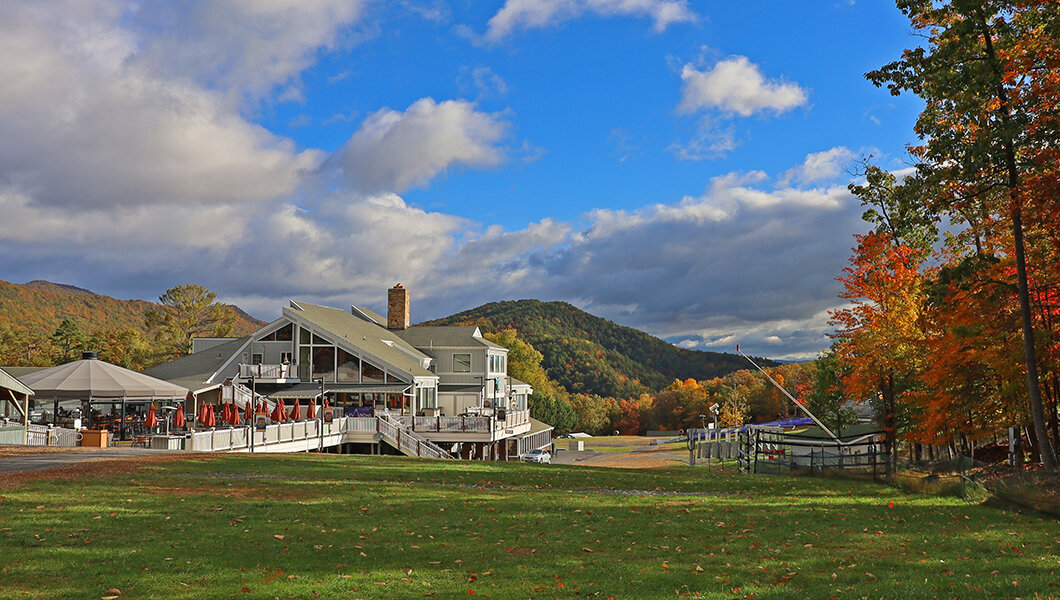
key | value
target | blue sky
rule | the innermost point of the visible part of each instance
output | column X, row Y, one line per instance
column 679, row 167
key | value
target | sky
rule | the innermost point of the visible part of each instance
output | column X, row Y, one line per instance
column 679, row 167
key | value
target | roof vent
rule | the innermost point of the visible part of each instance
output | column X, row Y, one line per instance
column 89, row 355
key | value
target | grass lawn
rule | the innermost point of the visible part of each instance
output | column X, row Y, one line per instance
column 309, row 526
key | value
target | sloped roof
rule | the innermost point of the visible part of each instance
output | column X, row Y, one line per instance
column 195, row 370
column 446, row 336
column 369, row 314
column 93, row 378
column 372, row 338
column 848, row 432
column 10, row 382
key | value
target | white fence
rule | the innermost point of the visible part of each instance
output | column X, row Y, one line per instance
column 39, row 435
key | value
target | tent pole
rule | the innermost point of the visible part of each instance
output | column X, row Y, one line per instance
column 121, row 429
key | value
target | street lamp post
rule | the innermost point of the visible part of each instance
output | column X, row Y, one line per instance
column 253, row 410
column 320, row 417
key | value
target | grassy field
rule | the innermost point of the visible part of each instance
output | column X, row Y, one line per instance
column 308, row 526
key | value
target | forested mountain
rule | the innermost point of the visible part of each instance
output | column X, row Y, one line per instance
column 38, row 307
column 589, row 354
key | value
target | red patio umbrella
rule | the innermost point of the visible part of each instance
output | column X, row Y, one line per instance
column 311, row 413
column 226, row 413
column 204, row 413
column 296, row 412
column 248, row 411
column 278, row 412
column 235, row 416
column 178, row 419
column 211, row 418
column 151, row 421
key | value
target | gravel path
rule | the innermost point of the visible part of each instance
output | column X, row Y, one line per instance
column 39, row 459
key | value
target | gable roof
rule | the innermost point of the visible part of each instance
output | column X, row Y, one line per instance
column 195, row 371
column 10, row 382
column 446, row 336
column 368, row 336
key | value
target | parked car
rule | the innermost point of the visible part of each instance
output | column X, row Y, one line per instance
column 537, row 456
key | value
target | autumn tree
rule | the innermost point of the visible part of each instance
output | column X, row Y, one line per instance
column 127, row 348
column 524, row 362
column 188, row 311
column 987, row 75
column 878, row 333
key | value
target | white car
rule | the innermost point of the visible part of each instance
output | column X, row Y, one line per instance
column 537, row 456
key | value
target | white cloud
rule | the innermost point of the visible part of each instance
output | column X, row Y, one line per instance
column 127, row 176
column 393, row 150
column 736, row 85
column 531, row 14
column 95, row 129
column 238, row 46
column 819, row 166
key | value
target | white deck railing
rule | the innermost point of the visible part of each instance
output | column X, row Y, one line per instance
column 476, row 424
column 268, row 371
column 238, row 438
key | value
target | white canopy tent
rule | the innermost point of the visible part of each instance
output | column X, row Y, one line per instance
column 92, row 380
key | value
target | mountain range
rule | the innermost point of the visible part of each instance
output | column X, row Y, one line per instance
column 39, row 307
column 582, row 352
column 589, row 354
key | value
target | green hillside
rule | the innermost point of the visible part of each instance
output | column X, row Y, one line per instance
column 38, row 307
column 589, row 354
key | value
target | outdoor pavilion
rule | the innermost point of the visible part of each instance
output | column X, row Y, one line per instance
column 89, row 384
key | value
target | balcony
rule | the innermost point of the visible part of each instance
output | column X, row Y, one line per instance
column 483, row 421
column 286, row 373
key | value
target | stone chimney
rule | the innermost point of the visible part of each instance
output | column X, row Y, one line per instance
column 397, row 307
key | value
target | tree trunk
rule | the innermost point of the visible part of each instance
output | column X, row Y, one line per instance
column 1030, row 359
column 1032, row 444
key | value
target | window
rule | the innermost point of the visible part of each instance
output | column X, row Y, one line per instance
column 461, row 363
column 255, row 359
column 282, row 334
column 349, row 367
column 371, row 373
column 286, row 358
column 324, row 362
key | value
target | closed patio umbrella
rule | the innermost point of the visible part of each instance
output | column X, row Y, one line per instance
column 311, row 412
column 152, row 419
column 236, row 420
column 211, row 417
column 296, row 412
column 278, row 412
column 248, row 411
column 178, row 419
column 226, row 413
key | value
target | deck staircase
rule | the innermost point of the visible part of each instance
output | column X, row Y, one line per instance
column 407, row 441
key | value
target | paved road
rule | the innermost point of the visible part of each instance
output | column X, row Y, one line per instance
column 39, row 462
